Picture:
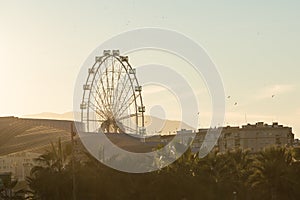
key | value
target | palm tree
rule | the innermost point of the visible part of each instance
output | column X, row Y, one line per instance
column 240, row 170
column 51, row 178
column 272, row 175
column 8, row 193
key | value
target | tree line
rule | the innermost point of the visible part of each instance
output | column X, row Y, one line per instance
column 272, row 174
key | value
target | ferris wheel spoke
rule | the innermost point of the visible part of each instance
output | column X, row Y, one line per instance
column 127, row 104
column 101, row 106
column 98, row 85
column 126, row 117
column 96, row 106
column 98, row 115
column 107, row 85
column 122, row 106
column 116, row 93
column 105, row 92
column 112, row 80
column 120, row 98
column 103, row 75
column 120, row 103
column 95, row 120
column 116, row 106
column 100, row 97
column 97, row 111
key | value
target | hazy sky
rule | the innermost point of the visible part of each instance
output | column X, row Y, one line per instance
column 255, row 45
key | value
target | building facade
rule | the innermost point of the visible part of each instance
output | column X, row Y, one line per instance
column 254, row 137
column 18, row 164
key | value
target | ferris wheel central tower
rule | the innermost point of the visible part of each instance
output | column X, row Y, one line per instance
column 112, row 97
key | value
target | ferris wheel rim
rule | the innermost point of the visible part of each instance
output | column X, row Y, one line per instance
column 136, row 94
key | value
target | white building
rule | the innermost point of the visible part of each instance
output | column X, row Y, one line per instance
column 19, row 164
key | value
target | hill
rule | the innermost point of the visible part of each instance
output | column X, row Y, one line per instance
column 18, row 134
column 35, row 135
column 154, row 125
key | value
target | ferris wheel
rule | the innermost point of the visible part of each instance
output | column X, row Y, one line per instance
column 112, row 97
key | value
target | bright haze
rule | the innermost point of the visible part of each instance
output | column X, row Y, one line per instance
column 254, row 44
